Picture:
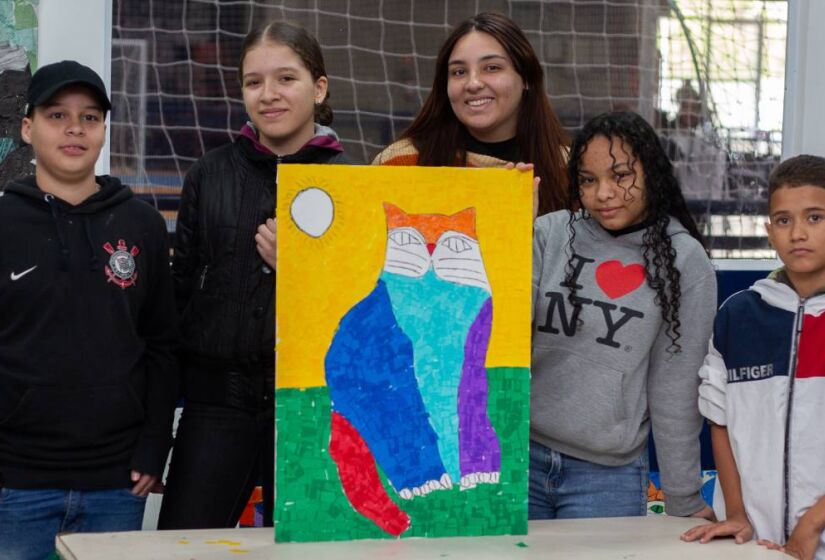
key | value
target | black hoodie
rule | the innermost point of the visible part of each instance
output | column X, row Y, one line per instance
column 88, row 329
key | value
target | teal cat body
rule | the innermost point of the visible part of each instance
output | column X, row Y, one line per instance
column 436, row 315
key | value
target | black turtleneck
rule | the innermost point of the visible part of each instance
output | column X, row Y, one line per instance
column 506, row 150
column 644, row 224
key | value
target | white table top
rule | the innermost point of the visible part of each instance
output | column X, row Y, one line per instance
column 628, row 538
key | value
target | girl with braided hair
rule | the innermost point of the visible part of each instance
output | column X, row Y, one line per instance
column 624, row 300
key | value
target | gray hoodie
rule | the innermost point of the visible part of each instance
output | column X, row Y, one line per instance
column 603, row 379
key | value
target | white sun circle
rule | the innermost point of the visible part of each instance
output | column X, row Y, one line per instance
column 312, row 211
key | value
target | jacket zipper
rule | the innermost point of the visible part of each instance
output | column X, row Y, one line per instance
column 800, row 315
column 202, row 281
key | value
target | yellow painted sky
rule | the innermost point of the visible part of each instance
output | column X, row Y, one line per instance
column 320, row 279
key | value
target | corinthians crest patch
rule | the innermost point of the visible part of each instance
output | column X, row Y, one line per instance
column 121, row 267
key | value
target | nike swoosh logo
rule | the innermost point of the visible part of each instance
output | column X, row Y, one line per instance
column 15, row 277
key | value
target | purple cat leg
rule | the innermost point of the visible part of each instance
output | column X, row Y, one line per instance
column 479, row 449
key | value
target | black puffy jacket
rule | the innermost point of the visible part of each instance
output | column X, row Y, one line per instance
column 224, row 291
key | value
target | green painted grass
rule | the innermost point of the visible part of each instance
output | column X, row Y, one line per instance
column 311, row 506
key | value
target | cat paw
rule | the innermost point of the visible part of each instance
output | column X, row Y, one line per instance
column 473, row 479
column 445, row 483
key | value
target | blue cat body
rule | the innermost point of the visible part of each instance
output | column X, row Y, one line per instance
column 371, row 379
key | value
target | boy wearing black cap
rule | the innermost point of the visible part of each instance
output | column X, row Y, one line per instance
column 87, row 370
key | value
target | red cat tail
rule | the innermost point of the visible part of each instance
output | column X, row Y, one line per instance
column 359, row 478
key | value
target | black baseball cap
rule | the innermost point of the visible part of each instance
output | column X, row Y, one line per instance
column 50, row 79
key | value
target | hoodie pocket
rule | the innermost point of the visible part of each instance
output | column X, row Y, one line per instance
column 74, row 419
column 581, row 403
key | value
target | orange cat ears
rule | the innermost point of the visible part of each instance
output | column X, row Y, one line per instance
column 431, row 226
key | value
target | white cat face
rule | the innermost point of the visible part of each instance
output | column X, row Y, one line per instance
column 455, row 257
column 407, row 253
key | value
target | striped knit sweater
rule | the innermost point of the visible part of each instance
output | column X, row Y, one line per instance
column 403, row 152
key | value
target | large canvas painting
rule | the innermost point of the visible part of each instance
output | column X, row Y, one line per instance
column 403, row 352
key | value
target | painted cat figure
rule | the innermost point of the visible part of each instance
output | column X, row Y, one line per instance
column 406, row 370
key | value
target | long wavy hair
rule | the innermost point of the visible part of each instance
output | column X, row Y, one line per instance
column 303, row 44
column 663, row 199
column 440, row 138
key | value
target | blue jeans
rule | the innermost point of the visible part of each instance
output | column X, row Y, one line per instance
column 562, row 487
column 30, row 519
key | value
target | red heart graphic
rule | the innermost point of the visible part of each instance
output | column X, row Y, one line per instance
column 617, row 280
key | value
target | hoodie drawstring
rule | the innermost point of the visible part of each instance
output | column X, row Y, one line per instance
column 61, row 234
column 65, row 255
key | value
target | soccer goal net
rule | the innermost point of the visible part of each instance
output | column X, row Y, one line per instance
column 708, row 75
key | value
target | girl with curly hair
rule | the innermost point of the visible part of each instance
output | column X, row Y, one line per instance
column 621, row 325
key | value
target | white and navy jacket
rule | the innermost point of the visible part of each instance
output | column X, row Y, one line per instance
column 764, row 378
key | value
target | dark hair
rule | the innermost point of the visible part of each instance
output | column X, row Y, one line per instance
column 305, row 46
column 663, row 199
column 797, row 171
column 439, row 137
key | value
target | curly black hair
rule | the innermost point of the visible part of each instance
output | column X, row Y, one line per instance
column 663, row 200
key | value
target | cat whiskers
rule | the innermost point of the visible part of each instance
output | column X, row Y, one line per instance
column 394, row 265
column 467, row 270
column 416, row 255
column 469, row 277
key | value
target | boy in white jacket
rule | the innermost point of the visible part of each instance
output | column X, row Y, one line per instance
column 763, row 381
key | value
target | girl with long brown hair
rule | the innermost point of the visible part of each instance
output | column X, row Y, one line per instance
column 224, row 275
column 488, row 107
